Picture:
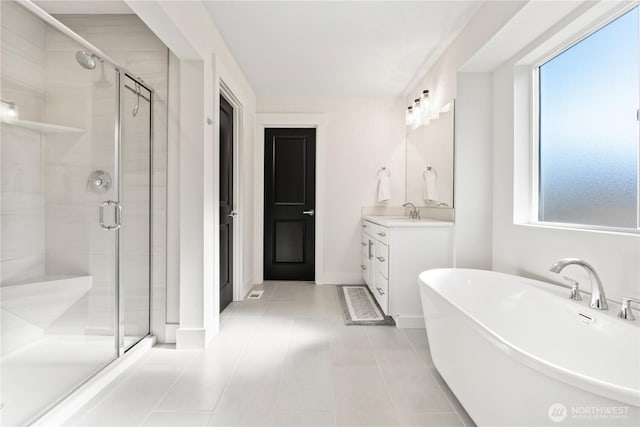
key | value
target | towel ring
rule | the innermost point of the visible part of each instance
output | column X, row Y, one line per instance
column 383, row 171
column 428, row 169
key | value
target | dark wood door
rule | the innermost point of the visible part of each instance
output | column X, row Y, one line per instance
column 289, row 204
column 227, row 213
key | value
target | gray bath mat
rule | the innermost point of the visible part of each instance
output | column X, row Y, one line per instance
column 360, row 308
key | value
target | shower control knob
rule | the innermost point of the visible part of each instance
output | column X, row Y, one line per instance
column 99, row 181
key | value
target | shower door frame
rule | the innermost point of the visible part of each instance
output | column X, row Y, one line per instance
column 121, row 76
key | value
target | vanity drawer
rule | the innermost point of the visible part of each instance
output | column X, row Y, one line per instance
column 382, row 259
column 382, row 234
column 381, row 292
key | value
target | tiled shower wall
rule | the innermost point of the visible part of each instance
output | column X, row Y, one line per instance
column 129, row 42
column 22, row 187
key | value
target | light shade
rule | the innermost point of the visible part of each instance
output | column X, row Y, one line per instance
column 408, row 118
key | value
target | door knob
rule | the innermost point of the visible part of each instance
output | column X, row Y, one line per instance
column 232, row 214
column 310, row 212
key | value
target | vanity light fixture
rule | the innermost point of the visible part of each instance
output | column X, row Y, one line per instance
column 419, row 113
column 425, row 107
column 408, row 118
column 9, row 111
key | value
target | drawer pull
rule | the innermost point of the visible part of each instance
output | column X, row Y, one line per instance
column 364, row 267
column 363, row 243
column 364, row 225
column 380, row 233
column 380, row 291
column 381, row 259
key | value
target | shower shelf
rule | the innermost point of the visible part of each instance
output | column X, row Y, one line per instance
column 43, row 127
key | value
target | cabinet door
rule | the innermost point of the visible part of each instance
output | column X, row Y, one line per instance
column 364, row 257
column 371, row 262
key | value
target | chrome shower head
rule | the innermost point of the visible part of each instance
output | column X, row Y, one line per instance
column 87, row 60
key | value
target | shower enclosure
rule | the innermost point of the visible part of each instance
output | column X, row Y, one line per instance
column 75, row 217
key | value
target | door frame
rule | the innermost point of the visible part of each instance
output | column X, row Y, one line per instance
column 238, row 278
column 318, row 121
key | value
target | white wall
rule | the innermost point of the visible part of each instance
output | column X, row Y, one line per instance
column 473, row 170
column 185, row 27
column 363, row 134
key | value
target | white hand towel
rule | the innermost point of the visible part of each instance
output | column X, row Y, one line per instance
column 384, row 188
column 430, row 185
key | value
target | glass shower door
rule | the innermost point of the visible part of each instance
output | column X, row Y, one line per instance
column 135, row 192
column 58, row 215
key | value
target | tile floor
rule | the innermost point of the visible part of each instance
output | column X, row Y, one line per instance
column 284, row 360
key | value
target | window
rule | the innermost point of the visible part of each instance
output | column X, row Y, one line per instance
column 588, row 129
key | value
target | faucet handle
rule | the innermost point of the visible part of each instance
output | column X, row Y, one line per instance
column 625, row 310
column 575, row 289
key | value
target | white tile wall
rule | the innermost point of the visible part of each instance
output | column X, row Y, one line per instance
column 22, row 215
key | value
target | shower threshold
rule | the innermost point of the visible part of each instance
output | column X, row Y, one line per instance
column 53, row 382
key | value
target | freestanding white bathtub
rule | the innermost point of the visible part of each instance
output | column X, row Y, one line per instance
column 519, row 352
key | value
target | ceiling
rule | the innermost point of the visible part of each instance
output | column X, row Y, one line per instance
column 63, row 7
column 338, row 48
column 324, row 48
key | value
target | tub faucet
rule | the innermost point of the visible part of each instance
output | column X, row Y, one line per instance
column 414, row 213
column 598, row 298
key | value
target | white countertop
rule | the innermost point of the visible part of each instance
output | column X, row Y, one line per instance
column 403, row 221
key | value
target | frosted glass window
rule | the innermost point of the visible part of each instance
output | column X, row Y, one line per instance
column 588, row 129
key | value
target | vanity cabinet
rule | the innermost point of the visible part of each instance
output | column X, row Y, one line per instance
column 394, row 253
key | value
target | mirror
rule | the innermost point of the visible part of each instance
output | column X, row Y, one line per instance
column 429, row 161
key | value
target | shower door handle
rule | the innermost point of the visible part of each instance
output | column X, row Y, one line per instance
column 117, row 215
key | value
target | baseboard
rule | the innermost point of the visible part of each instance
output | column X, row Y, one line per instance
column 409, row 322
column 170, row 330
column 191, row 338
column 342, row 279
column 94, row 385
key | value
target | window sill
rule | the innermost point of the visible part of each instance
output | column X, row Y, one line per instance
column 580, row 228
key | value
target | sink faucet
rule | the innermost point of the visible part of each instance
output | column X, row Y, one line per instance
column 414, row 213
column 598, row 299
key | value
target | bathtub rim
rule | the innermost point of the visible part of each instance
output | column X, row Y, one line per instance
column 600, row 387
